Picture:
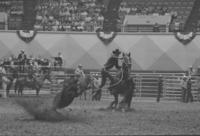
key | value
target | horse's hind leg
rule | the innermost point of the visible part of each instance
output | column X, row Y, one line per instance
column 20, row 91
column 16, row 87
column 130, row 96
column 8, row 88
column 122, row 103
column 114, row 103
column 37, row 91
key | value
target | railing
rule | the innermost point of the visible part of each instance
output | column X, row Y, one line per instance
column 146, row 84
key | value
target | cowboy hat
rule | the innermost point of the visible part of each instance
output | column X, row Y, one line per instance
column 80, row 65
column 117, row 52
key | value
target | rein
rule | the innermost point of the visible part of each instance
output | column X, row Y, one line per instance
column 113, row 85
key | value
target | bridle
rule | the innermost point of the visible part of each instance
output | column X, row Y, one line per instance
column 122, row 71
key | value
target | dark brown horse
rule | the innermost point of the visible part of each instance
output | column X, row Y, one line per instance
column 34, row 83
column 67, row 94
column 122, row 85
column 10, row 74
column 72, row 87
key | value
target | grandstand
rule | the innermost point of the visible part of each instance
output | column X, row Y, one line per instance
column 89, row 15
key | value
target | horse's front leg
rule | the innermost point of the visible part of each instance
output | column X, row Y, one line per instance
column 15, row 87
column 37, row 88
column 8, row 88
column 20, row 90
column 122, row 104
column 114, row 103
column 37, row 91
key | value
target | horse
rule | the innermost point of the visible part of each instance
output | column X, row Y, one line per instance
column 5, row 81
column 72, row 87
column 67, row 95
column 122, row 85
column 35, row 82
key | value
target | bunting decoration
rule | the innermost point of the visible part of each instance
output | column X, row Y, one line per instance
column 106, row 38
column 26, row 35
column 185, row 38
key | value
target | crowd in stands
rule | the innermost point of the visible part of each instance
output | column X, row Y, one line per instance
column 155, row 10
column 142, row 10
column 87, row 15
column 11, row 7
column 68, row 15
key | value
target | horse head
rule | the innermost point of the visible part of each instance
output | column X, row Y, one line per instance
column 126, row 64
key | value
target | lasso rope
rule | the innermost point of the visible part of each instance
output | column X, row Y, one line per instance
column 113, row 85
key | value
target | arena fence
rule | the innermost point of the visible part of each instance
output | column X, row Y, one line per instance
column 146, row 84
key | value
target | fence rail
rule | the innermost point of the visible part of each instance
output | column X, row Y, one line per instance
column 146, row 84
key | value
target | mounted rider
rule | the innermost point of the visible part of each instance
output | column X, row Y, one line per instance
column 111, row 62
column 22, row 60
column 79, row 76
column 79, row 71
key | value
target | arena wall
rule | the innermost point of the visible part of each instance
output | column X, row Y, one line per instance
column 150, row 51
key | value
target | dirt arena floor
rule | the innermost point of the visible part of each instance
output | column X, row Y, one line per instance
column 87, row 118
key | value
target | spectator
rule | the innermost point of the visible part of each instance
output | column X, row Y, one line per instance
column 58, row 60
column 190, row 71
column 156, row 27
column 176, row 26
column 189, row 97
column 160, row 87
column 184, row 88
column 22, row 60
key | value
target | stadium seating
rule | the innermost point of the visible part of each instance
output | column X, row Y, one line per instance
column 179, row 10
column 86, row 15
column 68, row 15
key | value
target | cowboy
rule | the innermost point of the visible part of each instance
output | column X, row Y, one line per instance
column 96, row 81
column 112, row 62
column 79, row 71
column 59, row 60
column 22, row 59
column 189, row 96
column 190, row 71
column 160, row 87
column 184, row 88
